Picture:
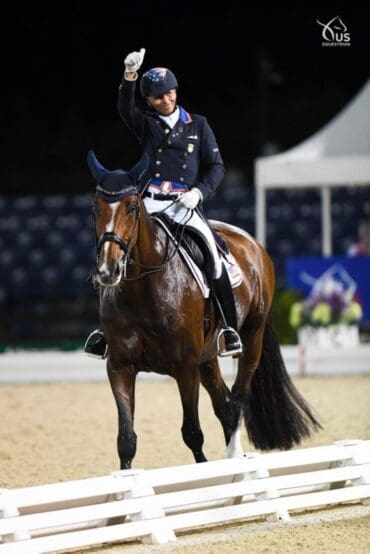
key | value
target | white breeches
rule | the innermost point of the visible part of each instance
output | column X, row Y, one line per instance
column 183, row 216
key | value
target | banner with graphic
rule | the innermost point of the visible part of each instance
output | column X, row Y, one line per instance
column 302, row 273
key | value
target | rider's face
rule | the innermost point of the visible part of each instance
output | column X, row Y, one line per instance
column 164, row 104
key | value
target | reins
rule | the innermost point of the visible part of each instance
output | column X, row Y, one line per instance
column 168, row 257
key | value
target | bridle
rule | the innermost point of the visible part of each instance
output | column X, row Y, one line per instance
column 112, row 236
column 126, row 245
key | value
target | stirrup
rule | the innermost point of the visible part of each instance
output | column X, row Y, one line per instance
column 95, row 345
column 233, row 346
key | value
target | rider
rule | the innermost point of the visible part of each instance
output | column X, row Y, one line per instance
column 185, row 165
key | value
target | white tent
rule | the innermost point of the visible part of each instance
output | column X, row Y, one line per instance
column 337, row 155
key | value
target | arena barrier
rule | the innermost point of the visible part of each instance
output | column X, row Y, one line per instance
column 152, row 505
column 56, row 366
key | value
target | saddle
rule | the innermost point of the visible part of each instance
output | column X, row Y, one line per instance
column 199, row 261
column 196, row 251
column 194, row 246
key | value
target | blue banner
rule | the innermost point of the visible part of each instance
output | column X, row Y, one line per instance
column 300, row 274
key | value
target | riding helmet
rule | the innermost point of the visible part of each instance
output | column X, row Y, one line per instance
column 157, row 81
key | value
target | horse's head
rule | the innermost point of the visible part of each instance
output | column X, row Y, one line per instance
column 117, row 209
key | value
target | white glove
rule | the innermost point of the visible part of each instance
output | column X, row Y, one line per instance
column 134, row 60
column 191, row 199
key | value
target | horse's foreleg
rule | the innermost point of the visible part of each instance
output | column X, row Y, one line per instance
column 123, row 387
column 191, row 432
column 211, row 379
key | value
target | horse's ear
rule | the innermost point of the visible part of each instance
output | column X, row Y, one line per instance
column 137, row 172
column 95, row 166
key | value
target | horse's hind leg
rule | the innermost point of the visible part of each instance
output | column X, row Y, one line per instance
column 275, row 413
column 211, row 379
column 192, row 435
column 252, row 336
column 123, row 387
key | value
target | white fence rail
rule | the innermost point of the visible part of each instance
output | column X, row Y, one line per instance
column 20, row 367
column 153, row 504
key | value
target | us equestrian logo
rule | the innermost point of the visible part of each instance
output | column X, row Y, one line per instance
column 335, row 33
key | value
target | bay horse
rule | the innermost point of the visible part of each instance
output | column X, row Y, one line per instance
column 152, row 315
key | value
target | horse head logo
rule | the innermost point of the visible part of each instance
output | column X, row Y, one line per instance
column 333, row 30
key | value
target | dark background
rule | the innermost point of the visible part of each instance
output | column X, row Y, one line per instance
column 260, row 75
column 261, row 78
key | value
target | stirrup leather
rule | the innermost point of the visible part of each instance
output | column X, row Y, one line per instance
column 235, row 349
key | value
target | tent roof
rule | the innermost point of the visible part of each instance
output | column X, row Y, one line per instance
column 338, row 154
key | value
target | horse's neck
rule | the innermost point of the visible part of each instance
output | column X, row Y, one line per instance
column 153, row 276
column 150, row 249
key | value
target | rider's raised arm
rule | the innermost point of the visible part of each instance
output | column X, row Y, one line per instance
column 130, row 113
column 132, row 116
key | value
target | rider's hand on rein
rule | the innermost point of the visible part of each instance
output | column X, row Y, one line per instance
column 191, row 199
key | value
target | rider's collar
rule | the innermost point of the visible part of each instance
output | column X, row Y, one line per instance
column 171, row 119
column 185, row 116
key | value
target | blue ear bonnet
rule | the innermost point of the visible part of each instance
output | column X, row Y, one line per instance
column 113, row 186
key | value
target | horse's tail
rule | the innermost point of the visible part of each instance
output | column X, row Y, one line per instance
column 275, row 413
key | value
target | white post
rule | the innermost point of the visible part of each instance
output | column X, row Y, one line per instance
column 261, row 215
column 326, row 221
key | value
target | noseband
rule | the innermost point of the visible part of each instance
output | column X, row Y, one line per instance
column 113, row 237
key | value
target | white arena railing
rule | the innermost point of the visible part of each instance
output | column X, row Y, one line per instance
column 152, row 505
column 46, row 366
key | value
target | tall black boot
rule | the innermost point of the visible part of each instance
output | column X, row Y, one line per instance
column 225, row 303
column 95, row 345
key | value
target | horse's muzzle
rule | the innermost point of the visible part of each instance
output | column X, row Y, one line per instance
column 108, row 274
